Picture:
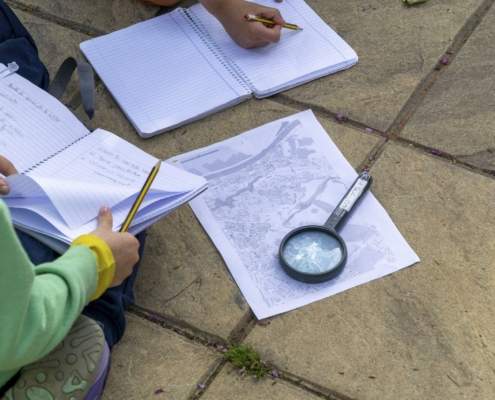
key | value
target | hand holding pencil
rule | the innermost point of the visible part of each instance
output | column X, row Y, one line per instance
column 232, row 15
column 272, row 23
column 123, row 245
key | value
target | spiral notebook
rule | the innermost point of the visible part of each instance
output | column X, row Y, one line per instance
column 66, row 172
column 182, row 66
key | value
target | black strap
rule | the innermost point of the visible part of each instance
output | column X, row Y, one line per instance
column 86, row 83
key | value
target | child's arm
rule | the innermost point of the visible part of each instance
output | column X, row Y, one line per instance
column 38, row 306
column 231, row 14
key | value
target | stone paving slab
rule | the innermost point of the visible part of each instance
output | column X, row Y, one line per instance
column 153, row 363
column 182, row 273
column 457, row 114
column 55, row 43
column 220, row 126
column 397, row 46
column 103, row 15
column 425, row 332
column 228, row 385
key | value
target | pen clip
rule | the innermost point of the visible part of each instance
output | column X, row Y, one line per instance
column 11, row 68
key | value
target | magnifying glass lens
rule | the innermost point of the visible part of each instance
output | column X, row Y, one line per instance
column 313, row 252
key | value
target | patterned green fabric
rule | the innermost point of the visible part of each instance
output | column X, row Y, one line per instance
column 69, row 371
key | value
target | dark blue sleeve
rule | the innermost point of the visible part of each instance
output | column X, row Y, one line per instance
column 16, row 44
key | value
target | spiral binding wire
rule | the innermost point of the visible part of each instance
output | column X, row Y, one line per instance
column 238, row 74
column 38, row 164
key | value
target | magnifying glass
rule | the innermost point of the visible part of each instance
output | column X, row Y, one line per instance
column 315, row 253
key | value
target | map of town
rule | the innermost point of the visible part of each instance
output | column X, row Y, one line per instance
column 268, row 181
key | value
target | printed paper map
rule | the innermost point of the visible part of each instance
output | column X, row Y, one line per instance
column 267, row 181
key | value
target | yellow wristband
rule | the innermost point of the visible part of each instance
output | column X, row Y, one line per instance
column 105, row 261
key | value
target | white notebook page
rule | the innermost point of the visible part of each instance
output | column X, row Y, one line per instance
column 33, row 124
column 104, row 170
column 161, row 73
column 42, row 217
column 297, row 58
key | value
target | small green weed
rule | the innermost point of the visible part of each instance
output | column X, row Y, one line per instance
column 247, row 360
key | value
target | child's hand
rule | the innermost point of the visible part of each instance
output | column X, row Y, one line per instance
column 124, row 246
column 6, row 169
column 232, row 15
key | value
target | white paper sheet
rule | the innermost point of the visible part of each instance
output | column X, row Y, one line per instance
column 100, row 170
column 272, row 179
column 30, row 116
column 300, row 56
column 182, row 66
column 161, row 73
column 68, row 173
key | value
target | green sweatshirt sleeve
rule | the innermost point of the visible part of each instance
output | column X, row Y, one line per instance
column 38, row 305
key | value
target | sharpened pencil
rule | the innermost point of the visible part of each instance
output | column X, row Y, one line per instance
column 255, row 18
column 139, row 199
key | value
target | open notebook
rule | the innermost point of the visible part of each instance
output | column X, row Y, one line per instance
column 66, row 173
column 182, row 66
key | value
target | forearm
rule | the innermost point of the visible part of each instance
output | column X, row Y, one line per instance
column 37, row 313
column 38, row 305
column 215, row 6
column 232, row 15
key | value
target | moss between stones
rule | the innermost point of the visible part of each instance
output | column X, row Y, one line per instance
column 247, row 360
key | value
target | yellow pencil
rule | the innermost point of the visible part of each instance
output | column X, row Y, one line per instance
column 142, row 194
column 252, row 17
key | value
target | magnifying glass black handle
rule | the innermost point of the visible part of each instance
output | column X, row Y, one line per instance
column 358, row 188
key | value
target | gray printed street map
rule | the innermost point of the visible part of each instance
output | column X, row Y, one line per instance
column 280, row 176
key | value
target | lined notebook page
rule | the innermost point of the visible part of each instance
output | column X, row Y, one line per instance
column 44, row 221
column 161, row 73
column 33, row 124
column 298, row 57
column 42, row 216
column 104, row 170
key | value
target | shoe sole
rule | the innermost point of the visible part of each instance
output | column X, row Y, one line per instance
column 74, row 369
